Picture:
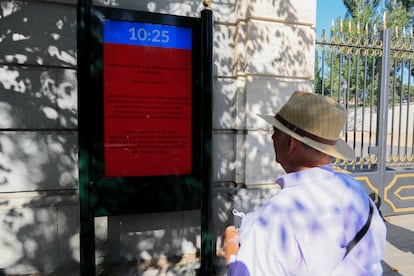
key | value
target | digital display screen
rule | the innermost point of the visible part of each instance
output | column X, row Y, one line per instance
column 147, row 81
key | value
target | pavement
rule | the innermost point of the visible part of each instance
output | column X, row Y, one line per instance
column 399, row 250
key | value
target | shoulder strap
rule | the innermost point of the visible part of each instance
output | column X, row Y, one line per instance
column 361, row 232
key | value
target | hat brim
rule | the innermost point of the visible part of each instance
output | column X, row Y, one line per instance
column 340, row 150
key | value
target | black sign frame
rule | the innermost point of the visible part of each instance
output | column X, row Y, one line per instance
column 100, row 196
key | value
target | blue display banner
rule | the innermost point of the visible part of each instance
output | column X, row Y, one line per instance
column 146, row 34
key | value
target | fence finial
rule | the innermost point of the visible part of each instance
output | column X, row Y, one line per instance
column 384, row 21
column 206, row 3
column 332, row 26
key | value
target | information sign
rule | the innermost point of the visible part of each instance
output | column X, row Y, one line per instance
column 145, row 82
column 147, row 76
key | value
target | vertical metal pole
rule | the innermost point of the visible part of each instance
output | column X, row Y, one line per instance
column 206, row 200
column 382, row 117
column 87, row 228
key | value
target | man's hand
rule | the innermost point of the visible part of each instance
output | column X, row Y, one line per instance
column 231, row 243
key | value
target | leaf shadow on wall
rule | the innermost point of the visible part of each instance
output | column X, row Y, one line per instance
column 38, row 137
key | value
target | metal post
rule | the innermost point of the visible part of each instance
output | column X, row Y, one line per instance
column 207, row 84
column 87, row 228
column 382, row 117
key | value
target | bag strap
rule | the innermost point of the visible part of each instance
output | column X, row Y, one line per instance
column 361, row 232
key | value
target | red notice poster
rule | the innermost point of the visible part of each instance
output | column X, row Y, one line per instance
column 147, row 99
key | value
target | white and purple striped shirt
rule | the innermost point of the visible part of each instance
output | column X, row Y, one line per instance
column 305, row 228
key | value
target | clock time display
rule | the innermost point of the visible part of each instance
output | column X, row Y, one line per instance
column 155, row 35
column 146, row 34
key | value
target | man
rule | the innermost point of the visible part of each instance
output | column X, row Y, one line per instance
column 321, row 222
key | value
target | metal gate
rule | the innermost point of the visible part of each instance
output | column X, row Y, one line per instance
column 371, row 74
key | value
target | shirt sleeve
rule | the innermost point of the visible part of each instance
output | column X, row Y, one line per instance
column 237, row 268
column 264, row 245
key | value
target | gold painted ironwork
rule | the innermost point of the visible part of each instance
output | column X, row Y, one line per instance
column 396, row 193
column 352, row 44
column 369, row 184
column 207, row 3
column 366, row 44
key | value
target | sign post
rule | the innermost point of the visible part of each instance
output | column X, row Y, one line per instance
column 206, row 208
column 87, row 226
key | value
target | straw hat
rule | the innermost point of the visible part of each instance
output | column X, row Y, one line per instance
column 315, row 120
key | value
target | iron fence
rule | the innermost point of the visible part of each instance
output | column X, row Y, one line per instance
column 372, row 75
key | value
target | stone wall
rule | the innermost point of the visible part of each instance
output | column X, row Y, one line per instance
column 263, row 51
column 38, row 137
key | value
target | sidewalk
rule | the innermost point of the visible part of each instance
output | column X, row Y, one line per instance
column 399, row 250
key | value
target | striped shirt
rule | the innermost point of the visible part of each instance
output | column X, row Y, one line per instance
column 304, row 229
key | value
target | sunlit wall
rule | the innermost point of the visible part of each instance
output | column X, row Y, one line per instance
column 263, row 51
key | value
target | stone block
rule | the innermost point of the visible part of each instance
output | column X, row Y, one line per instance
column 189, row 8
column 278, row 49
column 299, row 11
column 250, row 199
column 38, row 98
column 241, row 103
column 228, row 11
column 267, row 95
column 224, row 110
column 260, row 164
column 223, row 50
column 32, row 161
column 224, row 156
column 38, row 33
column 68, row 228
column 28, row 241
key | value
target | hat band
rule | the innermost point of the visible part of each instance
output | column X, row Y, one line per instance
column 302, row 132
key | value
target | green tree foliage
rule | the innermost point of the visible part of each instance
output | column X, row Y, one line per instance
column 399, row 13
column 361, row 10
column 349, row 60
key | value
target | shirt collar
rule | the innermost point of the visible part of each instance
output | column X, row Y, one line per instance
column 295, row 178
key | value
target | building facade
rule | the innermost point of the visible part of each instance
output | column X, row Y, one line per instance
column 263, row 51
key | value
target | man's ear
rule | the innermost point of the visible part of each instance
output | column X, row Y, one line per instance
column 292, row 144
